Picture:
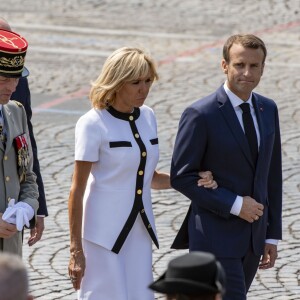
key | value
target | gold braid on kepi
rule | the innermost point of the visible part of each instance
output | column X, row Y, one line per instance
column 13, row 49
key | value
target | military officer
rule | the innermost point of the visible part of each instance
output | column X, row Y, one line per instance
column 18, row 188
column 22, row 94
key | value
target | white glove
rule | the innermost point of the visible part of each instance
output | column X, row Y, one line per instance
column 9, row 214
column 18, row 214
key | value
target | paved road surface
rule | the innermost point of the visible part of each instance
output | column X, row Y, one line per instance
column 69, row 41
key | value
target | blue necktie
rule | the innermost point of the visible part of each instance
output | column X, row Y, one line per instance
column 250, row 131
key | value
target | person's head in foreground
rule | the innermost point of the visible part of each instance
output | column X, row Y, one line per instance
column 13, row 278
column 193, row 276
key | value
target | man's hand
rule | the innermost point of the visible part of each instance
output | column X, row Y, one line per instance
column 207, row 180
column 269, row 257
column 251, row 210
column 7, row 230
column 36, row 232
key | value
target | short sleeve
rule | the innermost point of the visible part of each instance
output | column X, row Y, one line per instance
column 87, row 139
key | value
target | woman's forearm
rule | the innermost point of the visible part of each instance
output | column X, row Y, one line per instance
column 160, row 181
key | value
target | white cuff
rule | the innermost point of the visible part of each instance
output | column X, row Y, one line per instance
column 237, row 206
column 272, row 241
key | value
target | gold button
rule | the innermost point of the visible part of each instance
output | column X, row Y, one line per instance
column 149, row 226
column 144, row 154
column 7, row 178
column 142, row 211
column 5, row 157
column 139, row 191
column 137, row 135
column 130, row 118
column 141, row 172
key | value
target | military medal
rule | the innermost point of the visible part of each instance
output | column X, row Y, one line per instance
column 22, row 155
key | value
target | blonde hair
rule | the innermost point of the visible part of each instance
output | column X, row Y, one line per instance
column 124, row 65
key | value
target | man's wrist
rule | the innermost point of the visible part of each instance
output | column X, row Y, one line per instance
column 272, row 242
column 237, row 206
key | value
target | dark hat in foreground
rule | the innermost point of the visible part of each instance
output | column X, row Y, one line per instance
column 13, row 49
column 194, row 273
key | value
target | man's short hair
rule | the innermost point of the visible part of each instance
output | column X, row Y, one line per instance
column 247, row 41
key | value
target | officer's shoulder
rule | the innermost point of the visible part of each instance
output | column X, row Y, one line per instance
column 19, row 104
column 15, row 106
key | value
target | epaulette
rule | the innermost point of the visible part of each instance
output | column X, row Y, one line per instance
column 18, row 103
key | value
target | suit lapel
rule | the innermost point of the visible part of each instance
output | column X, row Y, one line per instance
column 2, row 146
column 233, row 123
column 258, row 107
column 1, row 143
column 9, row 125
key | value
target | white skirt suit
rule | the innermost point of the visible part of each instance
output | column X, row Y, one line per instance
column 118, row 220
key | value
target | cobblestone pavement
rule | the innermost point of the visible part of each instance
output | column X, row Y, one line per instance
column 69, row 41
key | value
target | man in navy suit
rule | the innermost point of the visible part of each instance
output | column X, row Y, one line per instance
column 240, row 221
column 22, row 95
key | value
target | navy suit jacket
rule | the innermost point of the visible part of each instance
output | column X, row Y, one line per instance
column 210, row 137
column 22, row 94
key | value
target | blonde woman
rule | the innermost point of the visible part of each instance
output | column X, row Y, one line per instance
column 110, row 210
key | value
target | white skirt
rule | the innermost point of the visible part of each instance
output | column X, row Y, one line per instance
column 123, row 276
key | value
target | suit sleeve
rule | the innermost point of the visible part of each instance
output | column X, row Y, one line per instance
column 189, row 153
column 274, row 229
column 22, row 94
